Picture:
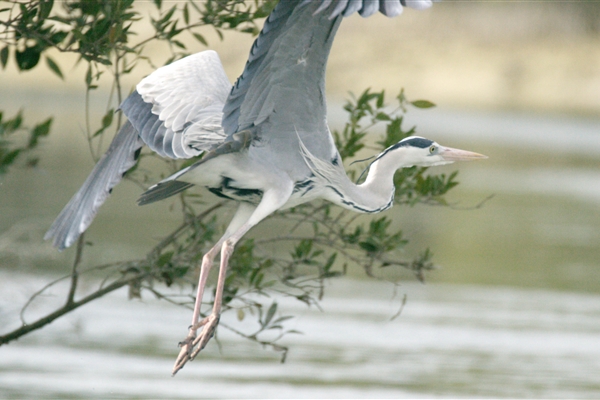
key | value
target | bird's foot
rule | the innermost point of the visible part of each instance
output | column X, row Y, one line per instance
column 192, row 345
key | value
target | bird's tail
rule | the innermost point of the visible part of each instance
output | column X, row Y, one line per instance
column 79, row 213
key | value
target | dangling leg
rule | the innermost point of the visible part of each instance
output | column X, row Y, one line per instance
column 213, row 319
column 242, row 214
column 271, row 201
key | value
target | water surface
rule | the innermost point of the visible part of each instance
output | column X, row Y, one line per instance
column 449, row 341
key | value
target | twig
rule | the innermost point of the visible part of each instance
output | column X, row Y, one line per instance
column 401, row 308
column 27, row 328
column 75, row 273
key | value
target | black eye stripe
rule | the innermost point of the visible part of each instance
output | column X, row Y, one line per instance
column 416, row 142
column 412, row 142
column 421, row 143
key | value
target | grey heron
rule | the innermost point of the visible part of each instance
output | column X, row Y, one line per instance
column 265, row 141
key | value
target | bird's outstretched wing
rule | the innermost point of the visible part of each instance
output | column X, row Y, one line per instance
column 176, row 111
column 286, row 65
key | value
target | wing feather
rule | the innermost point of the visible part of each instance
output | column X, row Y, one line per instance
column 83, row 206
column 370, row 7
column 244, row 107
column 174, row 98
column 168, row 150
column 391, row 8
column 338, row 9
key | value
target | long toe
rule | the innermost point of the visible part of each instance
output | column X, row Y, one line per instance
column 187, row 346
column 182, row 358
column 208, row 332
column 192, row 345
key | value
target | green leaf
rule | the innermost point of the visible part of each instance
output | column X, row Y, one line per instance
column 12, row 125
column 108, row 118
column 54, row 67
column 88, row 76
column 58, row 37
column 200, row 38
column 38, row 131
column 27, row 58
column 4, row 56
column 380, row 99
column 270, row 313
column 368, row 247
column 106, row 122
column 381, row 116
column 179, row 44
column 282, row 319
column 186, row 14
column 330, row 262
column 9, row 158
column 167, row 17
column 422, row 104
column 164, row 258
column 45, row 8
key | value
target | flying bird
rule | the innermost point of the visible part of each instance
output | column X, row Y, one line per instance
column 265, row 140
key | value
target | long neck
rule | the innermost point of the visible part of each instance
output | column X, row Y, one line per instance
column 375, row 194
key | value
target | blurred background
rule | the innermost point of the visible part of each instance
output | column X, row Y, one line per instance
column 513, row 310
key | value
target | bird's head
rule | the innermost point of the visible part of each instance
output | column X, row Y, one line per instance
column 415, row 150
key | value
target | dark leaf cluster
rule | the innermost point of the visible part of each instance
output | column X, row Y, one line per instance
column 12, row 145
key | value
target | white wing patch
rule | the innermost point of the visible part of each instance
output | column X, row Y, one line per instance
column 188, row 97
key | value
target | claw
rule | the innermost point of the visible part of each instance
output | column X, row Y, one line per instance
column 210, row 324
column 187, row 340
column 184, row 353
column 189, row 351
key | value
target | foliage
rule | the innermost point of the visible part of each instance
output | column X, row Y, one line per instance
column 10, row 151
column 322, row 241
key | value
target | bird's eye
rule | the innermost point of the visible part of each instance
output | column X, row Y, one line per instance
column 432, row 149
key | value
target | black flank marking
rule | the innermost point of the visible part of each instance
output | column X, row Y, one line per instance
column 219, row 192
column 247, row 192
column 227, row 190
